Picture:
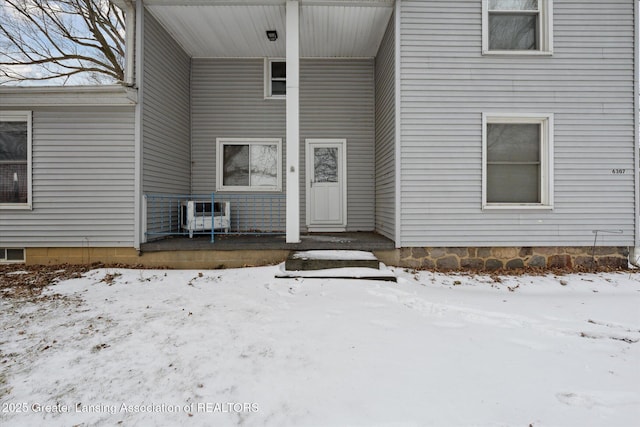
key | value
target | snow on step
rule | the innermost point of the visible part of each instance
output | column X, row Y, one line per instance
column 335, row 255
column 335, row 264
column 362, row 273
column 322, row 260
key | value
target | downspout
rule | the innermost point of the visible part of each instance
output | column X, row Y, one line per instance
column 398, row 122
column 634, row 257
column 133, row 20
column 137, row 15
column 130, row 37
column 634, row 253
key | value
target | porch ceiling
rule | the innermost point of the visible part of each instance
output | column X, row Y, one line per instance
column 214, row 29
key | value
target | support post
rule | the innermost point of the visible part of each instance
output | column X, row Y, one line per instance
column 293, row 121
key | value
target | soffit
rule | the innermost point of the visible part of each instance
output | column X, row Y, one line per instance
column 327, row 29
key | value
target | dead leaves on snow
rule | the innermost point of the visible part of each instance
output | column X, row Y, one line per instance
column 20, row 281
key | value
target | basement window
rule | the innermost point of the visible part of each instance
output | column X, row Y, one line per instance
column 11, row 255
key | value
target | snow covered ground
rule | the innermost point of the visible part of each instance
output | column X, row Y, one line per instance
column 239, row 347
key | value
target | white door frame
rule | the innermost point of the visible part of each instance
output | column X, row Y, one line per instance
column 342, row 143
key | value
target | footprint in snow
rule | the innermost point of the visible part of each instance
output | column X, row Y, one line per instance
column 607, row 398
column 573, row 399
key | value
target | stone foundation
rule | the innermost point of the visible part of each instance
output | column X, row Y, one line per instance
column 508, row 258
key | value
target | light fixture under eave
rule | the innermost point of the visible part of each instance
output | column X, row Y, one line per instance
column 272, row 35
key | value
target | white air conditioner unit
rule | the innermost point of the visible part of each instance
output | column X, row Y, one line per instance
column 198, row 215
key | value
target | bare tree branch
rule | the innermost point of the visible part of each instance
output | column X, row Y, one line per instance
column 60, row 39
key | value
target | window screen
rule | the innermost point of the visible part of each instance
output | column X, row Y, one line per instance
column 513, row 163
column 514, row 25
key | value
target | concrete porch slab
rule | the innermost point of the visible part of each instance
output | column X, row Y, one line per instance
column 362, row 240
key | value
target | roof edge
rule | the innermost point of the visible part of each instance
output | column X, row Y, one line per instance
column 37, row 96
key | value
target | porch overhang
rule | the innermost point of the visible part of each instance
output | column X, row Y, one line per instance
column 237, row 29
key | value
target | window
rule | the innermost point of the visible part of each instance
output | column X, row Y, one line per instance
column 517, row 27
column 517, row 161
column 15, row 160
column 8, row 255
column 249, row 164
column 275, row 79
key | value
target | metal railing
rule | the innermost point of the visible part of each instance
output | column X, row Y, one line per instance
column 215, row 213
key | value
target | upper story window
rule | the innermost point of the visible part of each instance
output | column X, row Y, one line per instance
column 517, row 27
column 275, row 79
column 518, row 161
column 249, row 164
column 15, row 160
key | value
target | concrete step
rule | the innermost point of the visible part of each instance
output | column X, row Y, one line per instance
column 329, row 259
column 335, row 264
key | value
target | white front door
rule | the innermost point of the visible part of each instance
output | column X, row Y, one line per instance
column 326, row 184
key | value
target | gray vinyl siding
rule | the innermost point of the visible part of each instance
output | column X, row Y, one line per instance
column 165, row 112
column 385, row 134
column 446, row 85
column 336, row 101
column 227, row 101
column 83, row 181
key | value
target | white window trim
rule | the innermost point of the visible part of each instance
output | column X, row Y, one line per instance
column 268, row 80
column 4, row 260
column 27, row 117
column 545, row 31
column 220, row 142
column 546, row 120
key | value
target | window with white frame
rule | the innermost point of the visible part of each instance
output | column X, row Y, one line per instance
column 517, row 26
column 8, row 255
column 275, row 79
column 248, row 164
column 517, row 161
column 15, row 159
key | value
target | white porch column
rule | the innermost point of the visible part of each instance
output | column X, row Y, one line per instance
column 293, row 121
